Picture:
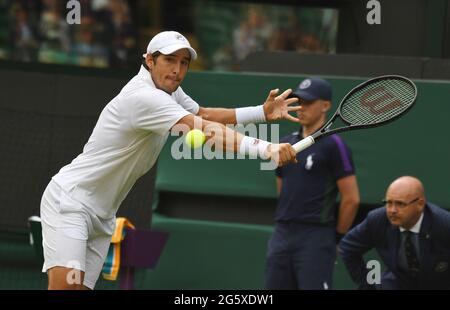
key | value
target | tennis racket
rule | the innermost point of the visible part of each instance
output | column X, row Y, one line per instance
column 373, row 103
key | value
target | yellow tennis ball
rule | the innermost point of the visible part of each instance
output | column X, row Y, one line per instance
column 195, row 138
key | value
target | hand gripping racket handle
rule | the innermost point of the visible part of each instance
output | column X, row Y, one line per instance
column 303, row 144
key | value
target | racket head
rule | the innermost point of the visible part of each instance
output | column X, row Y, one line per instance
column 377, row 101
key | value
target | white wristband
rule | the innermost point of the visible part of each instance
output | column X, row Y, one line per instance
column 250, row 115
column 254, row 147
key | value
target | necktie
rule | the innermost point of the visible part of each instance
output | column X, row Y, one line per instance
column 411, row 254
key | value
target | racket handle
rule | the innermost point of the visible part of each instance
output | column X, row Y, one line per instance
column 303, row 144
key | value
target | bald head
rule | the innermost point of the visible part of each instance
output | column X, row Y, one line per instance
column 407, row 186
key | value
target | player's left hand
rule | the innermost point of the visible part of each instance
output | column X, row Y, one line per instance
column 277, row 106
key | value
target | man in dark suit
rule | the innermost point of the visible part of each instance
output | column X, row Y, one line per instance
column 411, row 236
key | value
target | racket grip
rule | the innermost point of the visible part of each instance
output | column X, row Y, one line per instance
column 303, row 144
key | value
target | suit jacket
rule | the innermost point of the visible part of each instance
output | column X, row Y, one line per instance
column 377, row 232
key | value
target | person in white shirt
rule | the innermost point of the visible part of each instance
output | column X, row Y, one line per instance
column 79, row 205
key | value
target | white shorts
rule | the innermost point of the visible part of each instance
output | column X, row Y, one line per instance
column 72, row 235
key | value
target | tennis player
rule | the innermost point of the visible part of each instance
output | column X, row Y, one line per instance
column 79, row 205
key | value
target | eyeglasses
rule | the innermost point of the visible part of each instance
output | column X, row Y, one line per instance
column 398, row 203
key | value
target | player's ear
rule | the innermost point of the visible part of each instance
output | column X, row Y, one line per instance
column 326, row 105
column 149, row 61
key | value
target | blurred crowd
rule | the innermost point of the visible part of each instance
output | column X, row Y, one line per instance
column 224, row 33
column 37, row 30
column 277, row 28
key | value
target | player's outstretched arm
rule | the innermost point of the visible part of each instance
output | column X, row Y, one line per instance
column 220, row 115
column 232, row 141
column 275, row 107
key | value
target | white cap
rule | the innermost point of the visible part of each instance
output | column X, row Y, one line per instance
column 167, row 42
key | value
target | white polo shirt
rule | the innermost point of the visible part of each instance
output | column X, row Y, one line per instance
column 125, row 143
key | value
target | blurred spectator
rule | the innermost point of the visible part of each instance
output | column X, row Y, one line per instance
column 123, row 35
column 252, row 34
column 86, row 51
column 54, row 32
column 23, row 36
column 288, row 35
column 4, row 32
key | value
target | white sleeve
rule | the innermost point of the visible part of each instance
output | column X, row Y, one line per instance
column 185, row 101
column 156, row 111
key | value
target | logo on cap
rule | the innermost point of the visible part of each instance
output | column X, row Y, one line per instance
column 305, row 84
column 179, row 37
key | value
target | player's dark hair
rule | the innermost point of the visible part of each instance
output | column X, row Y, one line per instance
column 155, row 55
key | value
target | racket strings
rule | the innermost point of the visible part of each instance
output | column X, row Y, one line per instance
column 378, row 101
